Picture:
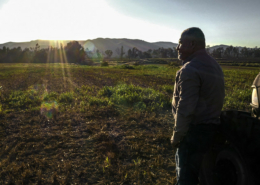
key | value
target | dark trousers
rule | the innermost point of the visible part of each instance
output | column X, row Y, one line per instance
column 189, row 154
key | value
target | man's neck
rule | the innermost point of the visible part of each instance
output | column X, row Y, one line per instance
column 197, row 52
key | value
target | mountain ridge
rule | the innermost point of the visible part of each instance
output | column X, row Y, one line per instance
column 103, row 44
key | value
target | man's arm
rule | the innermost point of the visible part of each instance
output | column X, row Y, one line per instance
column 189, row 87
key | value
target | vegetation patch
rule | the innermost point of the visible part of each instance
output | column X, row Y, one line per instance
column 104, row 64
column 137, row 97
column 78, row 124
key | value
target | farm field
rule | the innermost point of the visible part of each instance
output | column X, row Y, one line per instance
column 72, row 124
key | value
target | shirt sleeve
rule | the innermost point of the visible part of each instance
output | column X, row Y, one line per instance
column 189, row 87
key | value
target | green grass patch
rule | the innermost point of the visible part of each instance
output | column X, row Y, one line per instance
column 135, row 96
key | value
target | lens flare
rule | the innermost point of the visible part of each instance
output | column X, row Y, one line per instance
column 89, row 46
column 92, row 51
column 49, row 109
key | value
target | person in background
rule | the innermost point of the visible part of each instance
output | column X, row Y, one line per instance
column 197, row 102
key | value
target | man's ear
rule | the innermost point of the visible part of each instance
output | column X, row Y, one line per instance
column 193, row 44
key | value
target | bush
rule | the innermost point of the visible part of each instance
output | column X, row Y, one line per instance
column 88, row 62
column 158, row 61
column 104, row 64
column 136, row 63
column 175, row 64
column 52, row 96
column 21, row 99
column 126, row 66
column 105, row 91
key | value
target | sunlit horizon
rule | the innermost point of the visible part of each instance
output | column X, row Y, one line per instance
column 96, row 21
column 29, row 20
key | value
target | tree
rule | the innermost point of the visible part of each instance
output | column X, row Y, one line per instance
column 236, row 52
column 175, row 52
column 208, row 49
column 98, row 54
column 245, row 52
column 122, row 52
column 26, row 56
column 129, row 53
column 146, row 54
column 230, row 51
column 171, row 53
column 257, row 52
column 140, row 54
column 37, row 47
column 155, row 53
column 163, row 52
column 75, row 52
column 109, row 53
column 13, row 55
column 134, row 52
column 217, row 53
column 40, row 56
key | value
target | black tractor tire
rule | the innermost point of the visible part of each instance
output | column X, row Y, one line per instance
column 224, row 167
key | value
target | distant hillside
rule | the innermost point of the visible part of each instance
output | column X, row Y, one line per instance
column 223, row 46
column 218, row 46
column 101, row 44
column 165, row 44
column 42, row 43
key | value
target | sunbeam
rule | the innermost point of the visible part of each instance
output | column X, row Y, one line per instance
column 64, row 57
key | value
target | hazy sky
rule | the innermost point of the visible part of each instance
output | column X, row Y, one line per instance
column 230, row 22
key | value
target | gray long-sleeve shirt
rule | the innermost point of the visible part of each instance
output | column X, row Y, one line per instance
column 198, row 93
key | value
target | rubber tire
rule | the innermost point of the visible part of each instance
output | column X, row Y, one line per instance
column 208, row 173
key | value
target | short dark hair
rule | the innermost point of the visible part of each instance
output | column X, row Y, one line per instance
column 196, row 34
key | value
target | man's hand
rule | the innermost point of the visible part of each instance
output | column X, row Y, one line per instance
column 175, row 143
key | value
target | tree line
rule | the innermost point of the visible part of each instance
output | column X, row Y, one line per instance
column 234, row 52
column 73, row 52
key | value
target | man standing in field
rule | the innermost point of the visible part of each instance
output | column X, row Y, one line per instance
column 197, row 102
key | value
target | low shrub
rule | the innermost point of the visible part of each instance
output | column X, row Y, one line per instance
column 106, row 91
column 21, row 99
column 88, row 62
column 97, row 101
column 66, row 97
column 126, row 66
column 157, row 61
column 104, row 64
column 52, row 96
column 136, row 63
column 175, row 64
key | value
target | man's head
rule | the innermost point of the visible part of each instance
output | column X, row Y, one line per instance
column 192, row 40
